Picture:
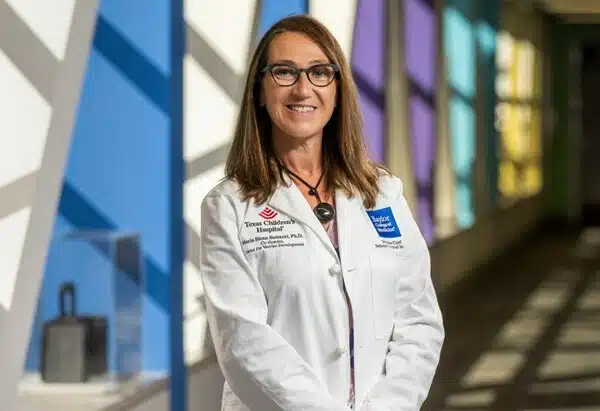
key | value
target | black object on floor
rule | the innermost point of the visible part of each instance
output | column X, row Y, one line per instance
column 73, row 347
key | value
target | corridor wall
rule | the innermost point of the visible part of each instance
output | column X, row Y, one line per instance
column 490, row 146
column 562, row 168
column 40, row 79
column 124, row 174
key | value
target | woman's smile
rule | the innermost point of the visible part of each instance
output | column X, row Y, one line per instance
column 301, row 111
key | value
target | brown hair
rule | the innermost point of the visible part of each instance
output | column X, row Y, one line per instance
column 251, row 161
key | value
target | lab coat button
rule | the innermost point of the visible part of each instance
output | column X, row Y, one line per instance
column 335, row 269
column 341, row 350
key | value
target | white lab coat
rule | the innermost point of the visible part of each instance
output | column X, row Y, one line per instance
column 277, row 311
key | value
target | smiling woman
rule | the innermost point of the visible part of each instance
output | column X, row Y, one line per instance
column 300, row 98
column 315, row 274
column 299, row 106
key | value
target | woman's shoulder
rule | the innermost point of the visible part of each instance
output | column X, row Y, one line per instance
column 226, row 193
column 224, row 201
column 224, row 188
column 390, row 186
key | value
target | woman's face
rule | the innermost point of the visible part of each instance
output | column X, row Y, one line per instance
column 300, row 110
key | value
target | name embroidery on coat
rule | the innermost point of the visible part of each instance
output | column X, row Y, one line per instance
column 269, row 231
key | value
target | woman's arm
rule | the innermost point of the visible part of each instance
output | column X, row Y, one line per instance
column 262, row 369
column 417, row 338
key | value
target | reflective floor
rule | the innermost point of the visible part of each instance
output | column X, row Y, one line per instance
column 93, row 396
column 525, row 334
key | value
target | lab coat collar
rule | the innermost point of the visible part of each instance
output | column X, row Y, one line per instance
column 288, row 199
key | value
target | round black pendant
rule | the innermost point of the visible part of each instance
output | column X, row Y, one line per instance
column 324, row 212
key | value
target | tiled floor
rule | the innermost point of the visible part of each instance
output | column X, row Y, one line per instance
column 526, row 334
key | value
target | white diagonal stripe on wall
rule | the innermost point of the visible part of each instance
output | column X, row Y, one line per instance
column 15, row 225
column 52, row 32
column 210, row 113
column 214, row 70
column 194, row 192
column 207, row 161
column 16, row 195
column 195, row 189
column 33, row 59
column 32, row 130
column 217, row 68
column 25, row 119
column 225, row 26
column 338, row 16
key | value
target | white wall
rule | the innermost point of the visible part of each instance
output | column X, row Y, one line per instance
column 214, row 67
column 40, row 79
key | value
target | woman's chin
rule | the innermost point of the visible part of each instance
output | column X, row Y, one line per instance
column 302, row 132
column 301, row 137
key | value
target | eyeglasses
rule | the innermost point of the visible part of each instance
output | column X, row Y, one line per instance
column 320, row 75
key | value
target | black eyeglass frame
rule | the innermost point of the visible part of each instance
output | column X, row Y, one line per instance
column 268, row 68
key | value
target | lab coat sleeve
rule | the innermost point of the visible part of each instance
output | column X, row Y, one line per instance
column 262, row 369
column 415, row 346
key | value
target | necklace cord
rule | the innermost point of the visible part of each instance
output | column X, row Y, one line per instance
column 312, row 190
column 324, row 211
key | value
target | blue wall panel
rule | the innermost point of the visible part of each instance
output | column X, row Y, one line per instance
column 273, row 10
column 459, row 43
column 125, row 172
column 145, row 25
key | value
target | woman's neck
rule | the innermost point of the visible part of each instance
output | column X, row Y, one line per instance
column 303, row 157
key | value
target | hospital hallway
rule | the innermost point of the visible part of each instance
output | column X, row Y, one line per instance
column 523, row 333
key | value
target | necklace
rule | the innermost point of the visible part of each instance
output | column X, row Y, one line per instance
column 324, row 211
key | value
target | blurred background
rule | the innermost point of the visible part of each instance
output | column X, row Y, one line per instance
column 116, row 121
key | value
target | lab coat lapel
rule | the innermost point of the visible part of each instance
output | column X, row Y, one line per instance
column 288, row 199
column 344, row 208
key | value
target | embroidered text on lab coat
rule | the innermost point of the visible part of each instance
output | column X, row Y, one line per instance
column 269, row 232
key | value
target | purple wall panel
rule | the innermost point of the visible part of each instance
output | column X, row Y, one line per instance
column 368, row 65
column 420, row 35
column 422, row 130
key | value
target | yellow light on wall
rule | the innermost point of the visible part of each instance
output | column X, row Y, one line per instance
column 519, row 116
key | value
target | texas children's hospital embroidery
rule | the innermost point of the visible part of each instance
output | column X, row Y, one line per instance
column 270, row 230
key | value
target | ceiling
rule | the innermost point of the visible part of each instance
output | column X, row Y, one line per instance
column 581, row 11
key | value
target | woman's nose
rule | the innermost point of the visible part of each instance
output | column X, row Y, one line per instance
column 303, row 85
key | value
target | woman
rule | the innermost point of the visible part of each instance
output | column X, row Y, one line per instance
column 316, row 276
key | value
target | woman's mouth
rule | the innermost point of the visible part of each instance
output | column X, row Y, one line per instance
column 299, row 108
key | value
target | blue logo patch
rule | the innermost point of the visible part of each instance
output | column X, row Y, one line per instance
column 384, row 222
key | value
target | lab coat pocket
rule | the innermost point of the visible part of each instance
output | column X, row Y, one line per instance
column 386, row 267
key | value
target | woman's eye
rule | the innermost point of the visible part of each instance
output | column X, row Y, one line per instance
column 284, row 72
